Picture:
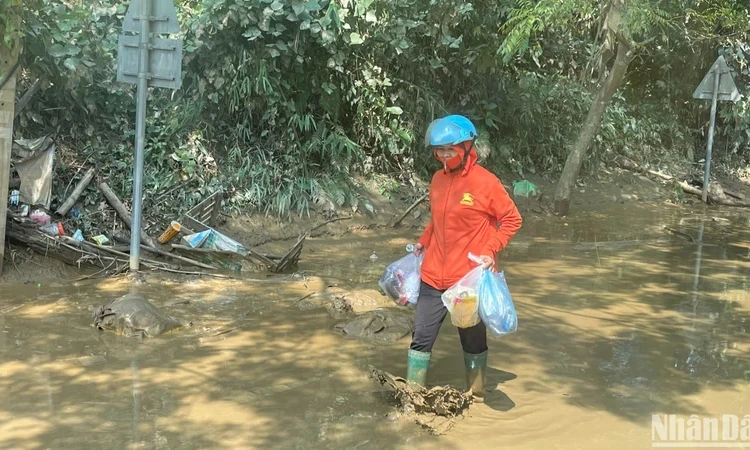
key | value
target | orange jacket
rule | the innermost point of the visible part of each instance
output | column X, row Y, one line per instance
column 467, row 206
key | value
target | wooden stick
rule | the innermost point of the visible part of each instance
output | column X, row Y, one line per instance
column 104, row 248
column 94, row 275
column 409, row 209
column 208, row 274
column 30, row 93
column 327, row 222
column 123, row 212
column 177, row 257
column 216, row 210
column 71, row 200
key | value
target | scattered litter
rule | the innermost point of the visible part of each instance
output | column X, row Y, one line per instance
column 524, row 188
column 100, row 239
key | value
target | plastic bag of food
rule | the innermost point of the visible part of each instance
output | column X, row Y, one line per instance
column 401, row 279
column 496, row 307
column 462, row 299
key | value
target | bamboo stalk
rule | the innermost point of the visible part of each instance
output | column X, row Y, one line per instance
column 80, row 187
column 123, row 212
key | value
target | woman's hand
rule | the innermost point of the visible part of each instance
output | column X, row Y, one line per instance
column 418, row 249
column 488, row 262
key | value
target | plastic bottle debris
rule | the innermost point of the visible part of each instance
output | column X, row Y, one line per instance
column 172, row 230
column 15, row 195
column 53, row 229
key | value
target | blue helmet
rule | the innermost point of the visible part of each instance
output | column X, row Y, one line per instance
column 449, row 130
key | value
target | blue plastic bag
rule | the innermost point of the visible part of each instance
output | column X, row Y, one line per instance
column 495, row 304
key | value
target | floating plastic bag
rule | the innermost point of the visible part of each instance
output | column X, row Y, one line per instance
column 401, row 279
column 462, row 299
column 495, row 304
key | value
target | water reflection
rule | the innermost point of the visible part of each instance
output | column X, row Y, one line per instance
column 617, row 320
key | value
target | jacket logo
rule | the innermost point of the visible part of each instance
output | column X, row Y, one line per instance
column 468, row 199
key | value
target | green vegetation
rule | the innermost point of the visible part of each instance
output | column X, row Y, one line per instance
column 285, row 102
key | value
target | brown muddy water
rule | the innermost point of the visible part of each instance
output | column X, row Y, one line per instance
column 618, row 320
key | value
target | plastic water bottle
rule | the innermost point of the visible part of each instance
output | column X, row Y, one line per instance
column 409, row 248
column 15, row 195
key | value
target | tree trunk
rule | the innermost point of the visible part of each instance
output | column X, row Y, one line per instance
column 591, row 126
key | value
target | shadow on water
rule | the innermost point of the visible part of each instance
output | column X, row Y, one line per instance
column 281, row 379
column 615, row 316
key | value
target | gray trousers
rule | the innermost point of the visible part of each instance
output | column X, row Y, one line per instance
column 429, row 317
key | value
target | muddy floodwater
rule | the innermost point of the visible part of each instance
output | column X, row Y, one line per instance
column 619, row 319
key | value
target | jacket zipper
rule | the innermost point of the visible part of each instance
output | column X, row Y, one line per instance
column 445, row 214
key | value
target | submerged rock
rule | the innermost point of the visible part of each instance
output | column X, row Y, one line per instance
column 133, row 315
column 382, row 324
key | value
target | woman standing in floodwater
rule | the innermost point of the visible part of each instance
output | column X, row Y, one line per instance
column 471, row 212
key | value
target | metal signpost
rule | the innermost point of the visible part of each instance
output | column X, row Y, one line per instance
column 718, row 84
column 146, row 61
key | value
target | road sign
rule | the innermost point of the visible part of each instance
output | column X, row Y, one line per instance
column 727, row 89
column 146, row 61
column 163, row 17
column 165, row 61
column 718, row 84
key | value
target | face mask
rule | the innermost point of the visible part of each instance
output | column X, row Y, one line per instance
column 454, row 162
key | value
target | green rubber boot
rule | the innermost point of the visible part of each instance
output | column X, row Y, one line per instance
column 476, row 374
column 416, row 367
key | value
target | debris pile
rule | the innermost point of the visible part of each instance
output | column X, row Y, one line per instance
column 190, row 240
column 435, row 409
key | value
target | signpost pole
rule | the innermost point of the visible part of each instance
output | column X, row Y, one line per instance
column 140, row 134
column 710, row 144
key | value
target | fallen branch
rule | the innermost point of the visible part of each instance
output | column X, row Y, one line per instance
column 123, row 212
column 183, row 272
column 94, row 275
column 173, row 256
column 629, row 164
column 110, row 250
column 327, row 222
column 736, row 195
column 715, row 194
column 71, row 200
column 227, row 255
column 179, row 258
column 409, row 209
column 30, row 93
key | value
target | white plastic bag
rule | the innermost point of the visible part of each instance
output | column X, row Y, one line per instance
column 401, row 279
column 462, row 299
